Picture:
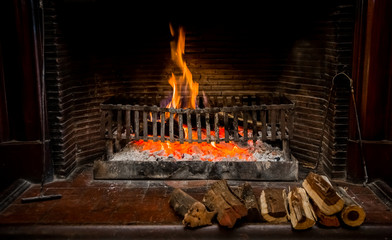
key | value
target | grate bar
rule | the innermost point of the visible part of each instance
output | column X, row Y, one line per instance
column 134, row 122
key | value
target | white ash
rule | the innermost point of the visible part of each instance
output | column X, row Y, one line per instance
column 260, row 151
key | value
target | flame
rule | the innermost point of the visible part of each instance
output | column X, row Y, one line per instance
column 185, row 90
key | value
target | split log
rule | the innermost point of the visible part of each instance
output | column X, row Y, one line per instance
column 245, row 193
column 353, row 214
column 229, row 208
column 194, row 212
column 273, row 205
column 325, row 220
column 301, row 211
column 321, row 191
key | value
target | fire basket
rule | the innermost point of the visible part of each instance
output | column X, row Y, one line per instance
column 238, row 119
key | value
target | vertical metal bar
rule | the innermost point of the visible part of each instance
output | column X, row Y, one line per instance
column 110, row 120
column 226, row 122
column 171, row 126
column 208, row 127
column 154, row 126
column 273, row 124
column 162, row 126
column 119, row 130
column 290, row 123
column 136, row 125
column 263, row 125
column 119, row 124
column 127, row 125
column 109, row 149
column 216, row 127
column 180, row 128
column 145, row 126
column 282, row 124
column 198, row 125
column 254, row 119
column 189, row 125
column 235, row 125
column 245, row 125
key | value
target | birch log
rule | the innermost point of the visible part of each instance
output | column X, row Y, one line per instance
column 353, row 214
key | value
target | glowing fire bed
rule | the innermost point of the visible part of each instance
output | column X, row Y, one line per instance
column 229, row 137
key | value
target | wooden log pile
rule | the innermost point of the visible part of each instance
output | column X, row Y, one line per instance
column 317, row 201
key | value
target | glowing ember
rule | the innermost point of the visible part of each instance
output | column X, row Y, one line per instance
column 204, row 151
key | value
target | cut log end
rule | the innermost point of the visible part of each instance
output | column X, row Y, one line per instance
column 194, row 212
column 273, row 204
column 198, row 216
column 301, row 212
column 321, row 191
column 353, row 214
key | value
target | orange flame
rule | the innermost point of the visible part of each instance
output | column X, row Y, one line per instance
column 185, row 89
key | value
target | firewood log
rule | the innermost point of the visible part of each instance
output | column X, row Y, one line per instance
column 245, row 193
column 273, row 205
column 301, row 211
column 323, row 194
column 229, row 208
column 325, row 220
column 353, row 214
column 194, row 212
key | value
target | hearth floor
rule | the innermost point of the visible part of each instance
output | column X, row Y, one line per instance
column 88, row 202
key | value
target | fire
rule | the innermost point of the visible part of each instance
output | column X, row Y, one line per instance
column 204, row 151
column 185, row 89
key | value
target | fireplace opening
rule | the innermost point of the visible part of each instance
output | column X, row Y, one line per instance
column 97, row 51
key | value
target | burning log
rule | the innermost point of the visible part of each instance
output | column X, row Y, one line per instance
column 228, row 207
column 325, row 220
column 323, row 194
column 353, row 214
column 194, row 212
column 273, row 205
column 301, row 211
column 245, row 193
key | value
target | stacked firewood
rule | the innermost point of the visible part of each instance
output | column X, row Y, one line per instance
column 317, row 201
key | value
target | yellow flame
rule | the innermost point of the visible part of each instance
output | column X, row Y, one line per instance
column 185, row 90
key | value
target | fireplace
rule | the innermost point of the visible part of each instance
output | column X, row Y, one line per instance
column 97, row 50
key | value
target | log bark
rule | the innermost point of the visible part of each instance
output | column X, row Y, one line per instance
column 245, row 193
column 353, row 214
column 301, row 211
column 323, row 194
column 325, row 220
column 229, row 208
column 194, row 212
column 273, row 205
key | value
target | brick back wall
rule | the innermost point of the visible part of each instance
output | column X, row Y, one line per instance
column 289, row 50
